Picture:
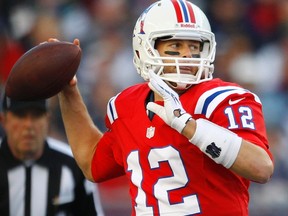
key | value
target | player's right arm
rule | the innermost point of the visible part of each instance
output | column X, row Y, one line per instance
column 83, row 136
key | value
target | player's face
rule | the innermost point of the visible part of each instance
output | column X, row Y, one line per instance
column 181, row 49
column 26, row 133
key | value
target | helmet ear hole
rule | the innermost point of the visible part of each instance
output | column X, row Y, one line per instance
column 137, row 53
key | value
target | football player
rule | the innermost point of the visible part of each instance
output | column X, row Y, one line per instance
column 188, row 143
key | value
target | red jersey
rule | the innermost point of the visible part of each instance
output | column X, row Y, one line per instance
column 169, row 175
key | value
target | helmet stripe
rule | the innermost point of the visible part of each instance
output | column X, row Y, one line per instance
column 191, row 12
column 184, row 11
column 177, row 10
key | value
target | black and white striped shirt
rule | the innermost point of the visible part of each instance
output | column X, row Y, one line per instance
column 51, row 186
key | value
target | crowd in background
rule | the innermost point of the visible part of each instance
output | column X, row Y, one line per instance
column 252, row 50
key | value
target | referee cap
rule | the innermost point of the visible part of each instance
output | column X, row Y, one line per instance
column 18, row 105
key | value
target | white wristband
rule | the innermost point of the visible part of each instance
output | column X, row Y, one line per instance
column 180, row 122
column 220, row 144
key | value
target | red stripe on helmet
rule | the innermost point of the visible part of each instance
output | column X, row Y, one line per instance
column 177, row 10
column 191, row 12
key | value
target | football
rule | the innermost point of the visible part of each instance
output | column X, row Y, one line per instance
column 43, row 71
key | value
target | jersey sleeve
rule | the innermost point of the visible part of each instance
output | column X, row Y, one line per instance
column 104, row 166
column 104, row 163
column 236, row 109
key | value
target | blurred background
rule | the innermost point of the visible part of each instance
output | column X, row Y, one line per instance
column 252, row 50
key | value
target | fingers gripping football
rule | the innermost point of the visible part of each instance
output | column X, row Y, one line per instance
column 172, row 112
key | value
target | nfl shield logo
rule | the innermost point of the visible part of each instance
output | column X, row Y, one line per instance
column 150, row 132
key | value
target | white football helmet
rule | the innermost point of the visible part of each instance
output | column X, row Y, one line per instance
column 173, row 19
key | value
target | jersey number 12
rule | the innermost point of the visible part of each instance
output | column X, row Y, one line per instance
column 179, row 179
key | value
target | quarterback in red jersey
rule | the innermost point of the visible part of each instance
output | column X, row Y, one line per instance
column 189, row 144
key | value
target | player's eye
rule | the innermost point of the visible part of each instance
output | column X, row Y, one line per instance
column 194, row 48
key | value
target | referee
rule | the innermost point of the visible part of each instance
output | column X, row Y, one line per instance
column 38, row 175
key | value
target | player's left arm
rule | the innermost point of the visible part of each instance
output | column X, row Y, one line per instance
column 248, row 160
column 220, row 144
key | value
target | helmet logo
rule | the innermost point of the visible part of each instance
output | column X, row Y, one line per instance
column 142, row 19
column 141, row 27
